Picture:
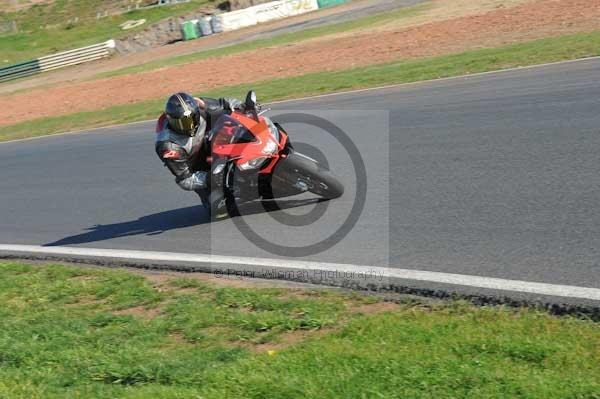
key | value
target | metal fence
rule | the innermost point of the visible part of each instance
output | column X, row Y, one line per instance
column 58, row 60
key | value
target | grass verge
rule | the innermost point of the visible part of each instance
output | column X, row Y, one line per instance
column 530, row 53
column 95, row 333
column 279, row 40
column 48, row 28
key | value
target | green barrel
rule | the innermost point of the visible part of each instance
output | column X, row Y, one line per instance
column 330, row 3
column 189, row 30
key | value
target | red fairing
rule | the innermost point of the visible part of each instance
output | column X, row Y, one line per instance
column 161, row 123
column 223, row 145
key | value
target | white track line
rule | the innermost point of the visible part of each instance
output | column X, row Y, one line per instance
column 337, row 93
column 217, row 261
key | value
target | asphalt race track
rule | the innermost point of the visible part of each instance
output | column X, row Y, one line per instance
column 495, row 175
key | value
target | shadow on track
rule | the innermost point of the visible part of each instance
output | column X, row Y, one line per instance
column 161, row 222
column 154, row 224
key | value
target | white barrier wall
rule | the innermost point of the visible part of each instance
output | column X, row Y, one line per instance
column 264, row 12
column 236, row 19
column 301, row 6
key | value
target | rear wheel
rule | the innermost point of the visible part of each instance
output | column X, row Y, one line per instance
column 305, row 174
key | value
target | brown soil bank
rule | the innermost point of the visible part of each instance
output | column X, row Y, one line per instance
column 542, row 18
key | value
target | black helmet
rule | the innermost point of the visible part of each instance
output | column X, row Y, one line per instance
column 183, row 114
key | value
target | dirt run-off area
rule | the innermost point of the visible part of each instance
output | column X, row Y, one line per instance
column 503, row 24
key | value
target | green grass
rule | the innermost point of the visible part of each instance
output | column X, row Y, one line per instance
column 71, row 332
column 283, row 39
column 45, row 28
column 530, row 53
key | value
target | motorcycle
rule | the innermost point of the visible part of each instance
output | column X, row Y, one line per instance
column 252, row 159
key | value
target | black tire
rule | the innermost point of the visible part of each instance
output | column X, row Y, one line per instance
column 320, row 181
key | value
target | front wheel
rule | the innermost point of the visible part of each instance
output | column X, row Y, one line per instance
column 305, row 174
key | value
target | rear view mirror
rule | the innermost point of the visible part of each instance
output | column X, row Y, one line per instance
column 251, row 100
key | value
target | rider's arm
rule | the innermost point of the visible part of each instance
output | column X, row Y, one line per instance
column 175, row 159
column 213, row 108
column 226, row 104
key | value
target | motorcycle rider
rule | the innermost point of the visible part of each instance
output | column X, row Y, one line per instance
column 182, row 142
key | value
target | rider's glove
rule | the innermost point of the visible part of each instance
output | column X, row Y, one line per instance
column 194, row 182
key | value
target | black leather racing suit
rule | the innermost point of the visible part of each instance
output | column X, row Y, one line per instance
column 185, row 156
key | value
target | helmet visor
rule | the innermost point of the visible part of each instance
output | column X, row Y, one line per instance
column 184, row 125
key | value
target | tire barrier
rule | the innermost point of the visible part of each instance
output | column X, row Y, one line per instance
column 204, row 26
column 56, row 61
column 260, row 13
column 189, row 30
column 215, row 24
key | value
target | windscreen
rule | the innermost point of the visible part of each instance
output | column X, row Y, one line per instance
column 228, row 130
